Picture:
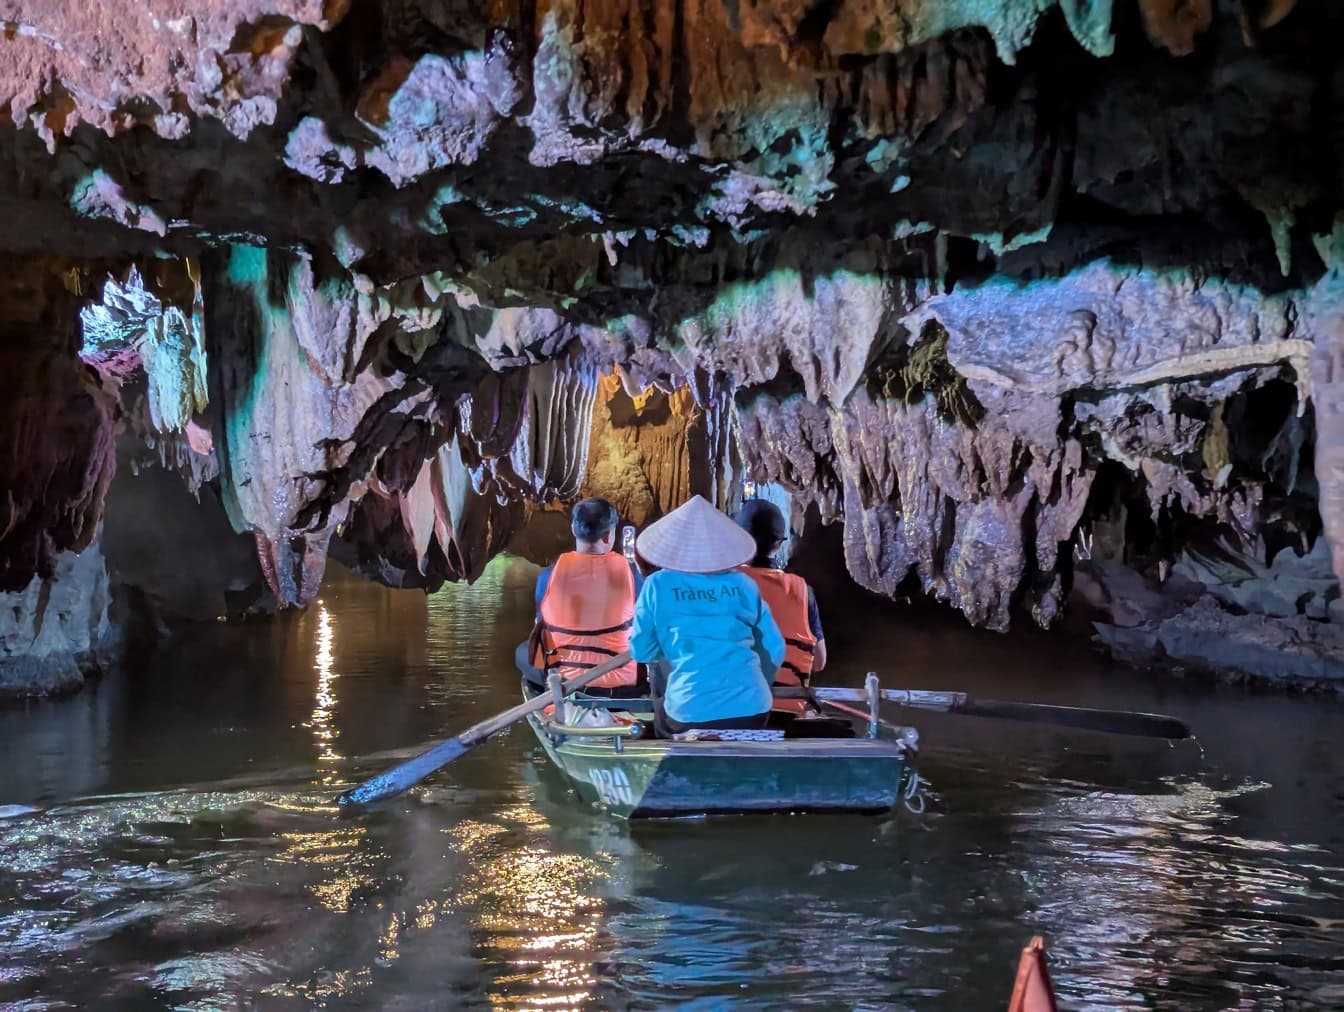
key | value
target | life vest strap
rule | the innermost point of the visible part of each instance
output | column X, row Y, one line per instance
column 807, row 648
column 576, row 648
column 588, row 632
column 554, row 660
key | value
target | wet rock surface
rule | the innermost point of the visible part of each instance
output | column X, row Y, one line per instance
column 172, row 554
column 1000, row 288
column 54, row 634
column 1225, row 613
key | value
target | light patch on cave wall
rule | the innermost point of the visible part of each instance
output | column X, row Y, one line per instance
column 169, row 341
column 752, row 327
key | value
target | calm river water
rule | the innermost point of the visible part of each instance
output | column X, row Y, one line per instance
column 186, row 851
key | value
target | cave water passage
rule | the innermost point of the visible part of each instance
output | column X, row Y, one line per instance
column 187, row 851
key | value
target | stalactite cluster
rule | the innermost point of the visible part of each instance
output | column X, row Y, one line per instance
column 1034, row 297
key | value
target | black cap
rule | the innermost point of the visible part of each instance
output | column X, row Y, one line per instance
column 763, row 521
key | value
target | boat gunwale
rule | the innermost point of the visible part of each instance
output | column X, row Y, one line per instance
column 599, row 746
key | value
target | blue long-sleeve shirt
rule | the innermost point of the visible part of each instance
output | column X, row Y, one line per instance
column 718, row 635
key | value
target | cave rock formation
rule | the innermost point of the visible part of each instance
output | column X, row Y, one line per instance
column 1039, row 300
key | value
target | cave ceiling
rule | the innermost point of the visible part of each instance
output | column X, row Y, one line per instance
column 934, row 265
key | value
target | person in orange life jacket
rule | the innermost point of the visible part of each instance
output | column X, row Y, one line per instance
column 585, row 606
column 791, row 600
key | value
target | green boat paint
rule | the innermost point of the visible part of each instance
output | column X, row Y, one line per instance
column 658, row 778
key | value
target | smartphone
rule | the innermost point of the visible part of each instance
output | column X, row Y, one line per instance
column 628, row 542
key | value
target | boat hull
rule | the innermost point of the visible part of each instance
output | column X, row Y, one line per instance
column 656, row 778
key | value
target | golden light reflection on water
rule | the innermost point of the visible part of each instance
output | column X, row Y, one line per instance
column 532, row 901
column 387, row 942
column 322, row 723
column 470, row 835
column 338, row 984
column 533, row 907
column 426, row 913
column 526, row 903
column 337, row 854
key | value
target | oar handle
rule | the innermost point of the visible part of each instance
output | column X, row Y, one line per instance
column 924, row 699
column 918, row 698
column 415, row 769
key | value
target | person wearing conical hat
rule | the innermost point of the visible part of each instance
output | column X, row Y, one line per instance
column 707, row 620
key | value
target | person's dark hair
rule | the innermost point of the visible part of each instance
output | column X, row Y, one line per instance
column 765, row 523
column 592, row 518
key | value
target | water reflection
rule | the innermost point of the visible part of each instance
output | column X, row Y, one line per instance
column 324, row 700
column 212, row 868
column 536, row 910
column 464, row 631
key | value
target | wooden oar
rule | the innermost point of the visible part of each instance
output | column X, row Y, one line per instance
column 806, row 692
column 411, row 772
column 1150, row 725
column 854, row 711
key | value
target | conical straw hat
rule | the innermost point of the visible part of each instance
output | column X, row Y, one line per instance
column 695, row 538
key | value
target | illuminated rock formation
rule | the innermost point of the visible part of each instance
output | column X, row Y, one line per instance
column 999, row 287
column 54, row 633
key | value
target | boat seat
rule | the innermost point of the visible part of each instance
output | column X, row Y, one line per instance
column 818, row 727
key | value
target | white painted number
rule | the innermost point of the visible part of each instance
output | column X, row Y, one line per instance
column 613, row 786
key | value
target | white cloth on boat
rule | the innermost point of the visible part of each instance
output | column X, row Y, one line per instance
column 587, row 716
column 729, row 734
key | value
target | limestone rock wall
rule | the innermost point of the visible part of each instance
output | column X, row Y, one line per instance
column 998, row 287
column 54, row 632
column 652, row 451
column 171, row 551
column 57, row 451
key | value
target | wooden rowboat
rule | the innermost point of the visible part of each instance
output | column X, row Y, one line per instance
column 796, row 774
column 629, row 773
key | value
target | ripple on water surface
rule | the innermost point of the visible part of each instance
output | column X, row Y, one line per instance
column 169, row 839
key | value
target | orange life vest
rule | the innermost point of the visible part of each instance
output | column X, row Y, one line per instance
column 786, row 594
column 585, row 617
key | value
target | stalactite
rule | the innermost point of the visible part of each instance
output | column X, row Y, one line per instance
column 168, row 338
column 787, row 440
column 471, row 526
column 279, row 422
column 550, row 450
column 1324, row 313
column 715, row 458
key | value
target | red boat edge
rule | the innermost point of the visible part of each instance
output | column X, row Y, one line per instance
column 1032, row 991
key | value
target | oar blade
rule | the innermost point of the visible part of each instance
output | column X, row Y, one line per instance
column 397, row 779
column 1147, row 725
